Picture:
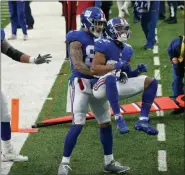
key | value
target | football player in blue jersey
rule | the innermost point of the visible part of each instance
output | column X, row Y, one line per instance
column 81, row 52
column 8, row 153
column 111, row 65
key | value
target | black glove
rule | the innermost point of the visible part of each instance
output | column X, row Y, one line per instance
column 42, row 59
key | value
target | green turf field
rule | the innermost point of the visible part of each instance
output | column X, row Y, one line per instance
column 5, row 16
column 136, row 150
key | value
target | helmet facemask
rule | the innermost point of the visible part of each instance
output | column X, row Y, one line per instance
column 97, row 27
column 122, row 32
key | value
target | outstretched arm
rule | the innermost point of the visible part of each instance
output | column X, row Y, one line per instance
column 77, row 58
column 19, row 56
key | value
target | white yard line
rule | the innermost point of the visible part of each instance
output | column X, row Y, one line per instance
column 162, row 162
column 159, row 90
column 155, row 50
column 162, row 135
column 157, row 74
column 156, row 61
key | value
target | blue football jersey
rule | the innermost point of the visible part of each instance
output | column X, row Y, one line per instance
column 112, row 51
column 87, row 41
column 2, row 35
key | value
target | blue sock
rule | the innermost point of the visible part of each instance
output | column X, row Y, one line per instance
column 148, row 97
column 71, row 139
column 112, row 93
column 5, row 131
column 106, row 139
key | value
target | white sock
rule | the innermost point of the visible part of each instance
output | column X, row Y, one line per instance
column 108, row 159
column 117, row 116
column 6, row 144
column 143, row 118
column 65, row 159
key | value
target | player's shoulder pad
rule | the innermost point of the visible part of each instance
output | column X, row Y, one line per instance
column 127, row 52
column 102, row 45
column 74, row 35
column 2, row 35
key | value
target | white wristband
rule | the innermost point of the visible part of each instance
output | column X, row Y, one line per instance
column 32, row 60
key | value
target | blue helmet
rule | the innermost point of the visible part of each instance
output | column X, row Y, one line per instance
column 117, row 29
column 94, row 20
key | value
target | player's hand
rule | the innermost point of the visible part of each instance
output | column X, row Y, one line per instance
column 142, row 68
column 175, row 61
column 123, row 77
column 42, row 59
column 121, row 65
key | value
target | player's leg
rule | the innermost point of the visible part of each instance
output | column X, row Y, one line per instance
column 144, row 24
column 107, row 86
column 22, row 18
column 119, row 5
column 79, row 106
column 8, row 153
column 152, row 24
column 13, row 15
column 100, row 108
column 135, row 86
column 177, row 88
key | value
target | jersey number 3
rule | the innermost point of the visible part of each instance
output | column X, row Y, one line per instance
column 90, row 54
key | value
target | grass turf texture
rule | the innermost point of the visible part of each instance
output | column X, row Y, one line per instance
column 135, row 149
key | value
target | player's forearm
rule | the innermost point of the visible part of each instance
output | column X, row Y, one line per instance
column 83, row 68
column 15, row 54
column 101, row 70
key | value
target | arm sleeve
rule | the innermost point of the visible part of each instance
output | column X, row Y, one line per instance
column 131, row 73
column 11, row 52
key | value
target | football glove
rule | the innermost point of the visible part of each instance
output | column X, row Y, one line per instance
column 42, row 59
column 142, row 68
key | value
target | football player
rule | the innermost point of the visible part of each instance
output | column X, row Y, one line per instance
column 81, row 51
column 176, row 53
column 108, row 62
column 8, row 153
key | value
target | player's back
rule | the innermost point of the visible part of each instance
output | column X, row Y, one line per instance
column 87, row 41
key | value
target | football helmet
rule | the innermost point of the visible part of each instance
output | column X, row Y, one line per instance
column 117, row 29
column 94, row 20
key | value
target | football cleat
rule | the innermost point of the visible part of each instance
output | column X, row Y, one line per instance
column 121, row 125
column 144, row 125
column 10, row 155
column 115, row 167
column 64, row 169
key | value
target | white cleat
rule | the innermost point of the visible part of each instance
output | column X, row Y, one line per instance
column 12, row 37
column 25, row 37
column 64, row 169
column 10, row 155
column 13, row 158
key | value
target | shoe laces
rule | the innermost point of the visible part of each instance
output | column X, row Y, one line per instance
column 117, row 164
column 66, row 167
